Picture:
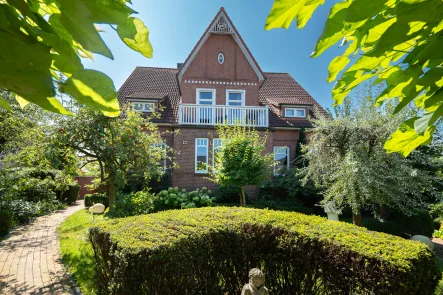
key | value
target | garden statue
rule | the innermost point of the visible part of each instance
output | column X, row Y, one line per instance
column 256, row 285
column 331, row 211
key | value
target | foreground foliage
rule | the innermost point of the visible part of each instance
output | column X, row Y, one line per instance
column 43, row 41
column 210, row 251
column 397, row 41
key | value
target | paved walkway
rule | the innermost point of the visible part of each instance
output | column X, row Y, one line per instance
column 29, row 258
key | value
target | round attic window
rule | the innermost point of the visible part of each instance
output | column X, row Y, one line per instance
column 221, row 58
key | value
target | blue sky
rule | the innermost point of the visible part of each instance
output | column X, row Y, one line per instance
column 176, row 25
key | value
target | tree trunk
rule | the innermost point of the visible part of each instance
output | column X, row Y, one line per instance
column 356, row 217
column 383, row 212
column 242, row 197
column 112, row 190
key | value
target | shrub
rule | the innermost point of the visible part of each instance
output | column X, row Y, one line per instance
column 420, row 223
column 5, row 222
column 289, row 187
column 174, row 198
column 133, row 204
column 210, row 251
column 71, row 194
column 289, row 205
column 91, row 199
column 226, row 194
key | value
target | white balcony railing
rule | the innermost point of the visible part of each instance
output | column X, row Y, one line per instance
column 192, row 114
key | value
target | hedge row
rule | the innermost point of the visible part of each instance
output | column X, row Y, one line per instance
column 211, row 250
column 91, row 199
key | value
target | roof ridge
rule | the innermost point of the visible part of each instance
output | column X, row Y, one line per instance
column 160, row 68
column 278, row 73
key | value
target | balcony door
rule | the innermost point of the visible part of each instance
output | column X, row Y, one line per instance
column 236, row 100
column 205, row 97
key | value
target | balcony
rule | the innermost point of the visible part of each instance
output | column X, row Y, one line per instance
column 192, row 114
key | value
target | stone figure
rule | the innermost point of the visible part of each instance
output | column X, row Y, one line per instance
column 256, row 285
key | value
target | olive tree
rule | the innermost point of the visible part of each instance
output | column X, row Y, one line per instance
column 120, row 145
column 240, row 160
column 347, row 160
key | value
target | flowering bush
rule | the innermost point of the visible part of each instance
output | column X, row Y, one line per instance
column 173, row 198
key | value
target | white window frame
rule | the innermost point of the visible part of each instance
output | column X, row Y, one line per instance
column 197, row 95
column 207, row 155
column 295, row 112
column 223, row 58
column 241, row 91
column 151, row 109
column 279, row 148
column 220, row 144
column 164, row 149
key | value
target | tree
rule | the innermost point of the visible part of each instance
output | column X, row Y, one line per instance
column 346, row 158
column 241, row 158
column 120, row 146
column 399, row 42
column 42, row 41
column 299, row 160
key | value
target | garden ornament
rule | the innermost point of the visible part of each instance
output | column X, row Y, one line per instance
column 331, row 211
column 97, row 209
column 256, row 285
column 424, row 240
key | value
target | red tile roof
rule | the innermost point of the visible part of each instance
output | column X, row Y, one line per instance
column 162, row 83
column 154, row 81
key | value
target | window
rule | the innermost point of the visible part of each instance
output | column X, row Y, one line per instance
column 281, row 158
column 145, row 107
column 294, row 112
column 216, row 147
column 205, row 97
column 201, row 155
column 161, row 148
column 235, row 97
column 221, row 58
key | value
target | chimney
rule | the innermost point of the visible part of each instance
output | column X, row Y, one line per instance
column 179, row 65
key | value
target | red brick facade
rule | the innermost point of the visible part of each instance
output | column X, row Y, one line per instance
column 202, row 70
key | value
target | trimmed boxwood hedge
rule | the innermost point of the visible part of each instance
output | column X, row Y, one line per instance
column 211, row 250
column 92, row 199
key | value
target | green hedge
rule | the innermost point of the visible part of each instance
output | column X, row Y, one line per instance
column 91, row 199
column 211, row 250
column 6, row 221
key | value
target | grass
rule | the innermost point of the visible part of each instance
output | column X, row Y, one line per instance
column 77, row 253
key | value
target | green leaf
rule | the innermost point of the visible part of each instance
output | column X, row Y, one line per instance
column 21, row 101
column 283, row 13
column 136, row 35
column 334, row 28
column 95, row 90
column 336, row 65
column 25, row 66
column 421, row 124
column 109, row 11
column 361, row 10
column 5, row 104
column 406, row 139
column 78, row 21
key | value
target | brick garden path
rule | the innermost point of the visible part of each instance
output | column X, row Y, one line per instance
column 29, row 258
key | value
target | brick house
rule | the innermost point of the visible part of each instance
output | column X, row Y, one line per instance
column 219, row 82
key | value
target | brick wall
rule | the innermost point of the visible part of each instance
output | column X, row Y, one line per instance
column 83, row 181
column 184, row 175
column 205, row 67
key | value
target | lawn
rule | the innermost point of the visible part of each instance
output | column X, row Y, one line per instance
column 77, row 253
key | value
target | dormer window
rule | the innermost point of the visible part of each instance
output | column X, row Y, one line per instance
column 221, row 58
column 144, row 107
column 295, row 113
